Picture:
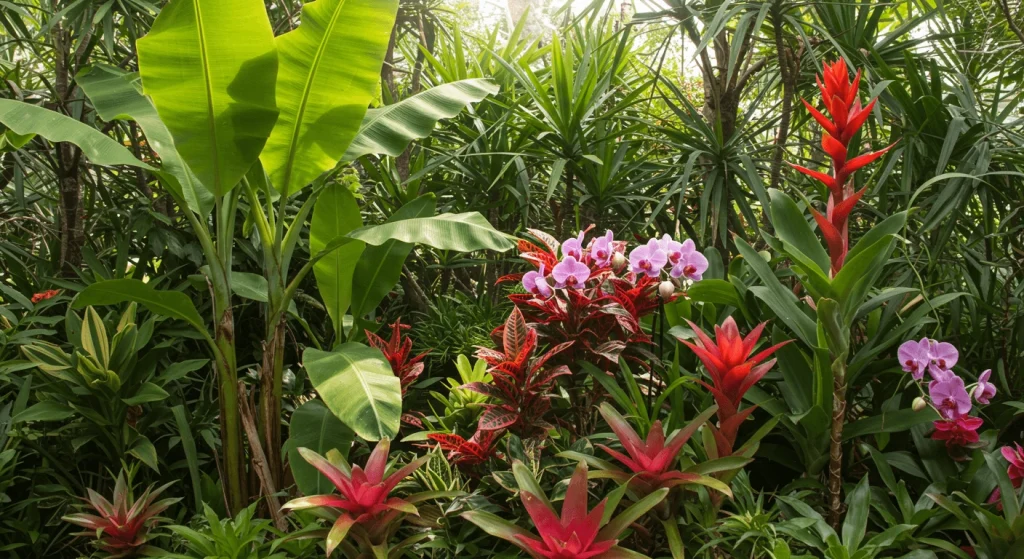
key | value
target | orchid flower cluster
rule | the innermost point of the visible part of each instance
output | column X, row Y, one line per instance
column 580, row 262
column 948, row 394
column 592, row 293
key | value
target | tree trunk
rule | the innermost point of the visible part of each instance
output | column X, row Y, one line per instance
column 72, row 234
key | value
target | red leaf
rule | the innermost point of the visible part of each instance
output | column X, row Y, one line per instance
column 495, row 418
column 825, row 123
column 825, row 179
column 510, row 278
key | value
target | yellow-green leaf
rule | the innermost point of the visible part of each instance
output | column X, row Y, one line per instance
column 210, row 67
column 329, row 73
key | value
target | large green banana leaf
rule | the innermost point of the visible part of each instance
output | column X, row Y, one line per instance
column 356, row 383
column 388, row 130
column 329, row 73
column 25, row 119
column 210, row 67
column 116, row 95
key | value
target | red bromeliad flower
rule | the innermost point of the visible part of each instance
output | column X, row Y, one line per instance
column 839, row 96
column 363, row 498
column 122, row 527
column 733, row 371
column 574, row 535
column 48, row 294
column 577, row 533
column 477, row 450
column 650, row 462
column 522, row 384
column 397, row 351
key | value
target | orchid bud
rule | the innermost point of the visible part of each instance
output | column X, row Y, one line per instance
column 666, row 289
column 618, row 261
column 919, row 404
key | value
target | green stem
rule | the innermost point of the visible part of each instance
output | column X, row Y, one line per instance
column 233, row 451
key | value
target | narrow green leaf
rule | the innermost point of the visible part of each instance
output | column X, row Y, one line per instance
column 44, row 411
column 465, row 232
column 313, row 426
column 336, row 214
column 174, row 304
column 380, row 267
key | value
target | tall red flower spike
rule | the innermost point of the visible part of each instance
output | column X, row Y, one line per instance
column 839, row 96
column 477, row 450
column 397, row 350
column 363, row 492
column 122, row 526
column 733, row 371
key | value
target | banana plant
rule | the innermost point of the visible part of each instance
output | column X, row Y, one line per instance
column 262, row 118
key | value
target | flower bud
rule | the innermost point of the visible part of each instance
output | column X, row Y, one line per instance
column 666, row 289
column 919, row 404
column 618, row 261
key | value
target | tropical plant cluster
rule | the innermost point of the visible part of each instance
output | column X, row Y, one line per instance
column 379, row 279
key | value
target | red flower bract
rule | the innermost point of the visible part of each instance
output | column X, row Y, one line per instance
column 733, row 371
column 48, row 294
column 839, row 95
column 650, row 461
column 574, row 535
column 363, row 492
column 398, row 350
column 122, row 525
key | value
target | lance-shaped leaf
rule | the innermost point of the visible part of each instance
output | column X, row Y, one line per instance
column 356, row 383
column 210, row 67
column 328, row 75
column 27, row 119
column 173, row 304
column 380, row 267
column 117, row 95
column 336, row 213
column 465, row 232
column 313, row 426
column 389, row 129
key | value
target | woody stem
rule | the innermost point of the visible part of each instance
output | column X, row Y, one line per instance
column 835, row 463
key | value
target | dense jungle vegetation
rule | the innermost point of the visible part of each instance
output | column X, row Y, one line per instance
column 600, row 279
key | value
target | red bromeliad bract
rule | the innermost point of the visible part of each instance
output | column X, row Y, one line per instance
column 364, row 492
column 476, row 450
column 575, row 534
column 733, row 371
column 398, row 351
column 839, row 96
column 122, row 525
column 650, row 462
